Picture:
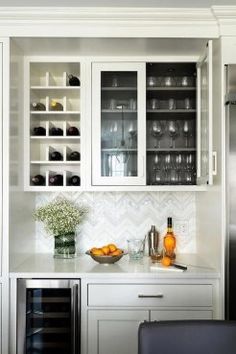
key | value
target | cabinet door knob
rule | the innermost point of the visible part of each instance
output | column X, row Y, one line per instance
column 157, row 296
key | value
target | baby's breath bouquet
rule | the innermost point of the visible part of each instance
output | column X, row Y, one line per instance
column 60, row 219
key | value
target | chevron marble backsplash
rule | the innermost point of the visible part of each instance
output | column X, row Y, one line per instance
column 118, row 216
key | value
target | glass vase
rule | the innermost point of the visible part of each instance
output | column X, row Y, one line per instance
column 64, row 246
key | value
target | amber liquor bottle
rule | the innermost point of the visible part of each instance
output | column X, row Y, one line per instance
column 169, row 241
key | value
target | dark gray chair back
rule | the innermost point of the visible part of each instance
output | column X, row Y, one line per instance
column 187, row 337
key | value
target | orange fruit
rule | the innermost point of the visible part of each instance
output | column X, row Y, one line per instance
column 98, row 252
column 105, row 250
column 93, row 249
column 166, row 261
column 117, row 252
column 112, row 247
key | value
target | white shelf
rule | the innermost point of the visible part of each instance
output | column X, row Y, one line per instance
column 59, row 162
column 55, row 137
column 171, row 88
column 54, row 112
column 171, row 110
column 55, row 87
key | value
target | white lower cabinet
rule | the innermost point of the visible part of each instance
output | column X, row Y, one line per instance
column 115, row 310
column 0, row 318
column 114, row 331
column 170, row 315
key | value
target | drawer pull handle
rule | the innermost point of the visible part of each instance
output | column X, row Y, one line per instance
column 158, row 296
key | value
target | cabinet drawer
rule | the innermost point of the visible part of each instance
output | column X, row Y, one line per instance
column 149, row 295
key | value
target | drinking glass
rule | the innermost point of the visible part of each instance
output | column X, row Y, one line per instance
column 171, row 104
column 186, row 81
column 113, row 132
column 113, row 104
column 154, row 103
column 173, row 176
column 187, row 103
column 157, row 131
column 189, row 162
column 115, row 81
column 179, row 164
column 173, row 130
column 167, row 167
column 132, row 104
column 189, row 177
column 157, row 177
column 186, row 131
column 135, row 249
column 156, row 162
column 151, row 81
column 132, row 134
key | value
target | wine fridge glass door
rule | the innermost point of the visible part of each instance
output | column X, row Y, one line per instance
column 48, row 312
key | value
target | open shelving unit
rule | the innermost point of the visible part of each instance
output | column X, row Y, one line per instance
column 48, row 81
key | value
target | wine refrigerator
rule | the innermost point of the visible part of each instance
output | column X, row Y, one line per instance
column 48, row 316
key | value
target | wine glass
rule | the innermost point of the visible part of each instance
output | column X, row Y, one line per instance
column 167, row 166
column 173, row 129
column 132, row 134
column 156, row 162
column 186, row 131
column 113, row 132
column 157, row 131
column 179, row 163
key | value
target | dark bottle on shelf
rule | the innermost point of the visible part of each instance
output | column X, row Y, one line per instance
column 54, row 131
column 74, row 156
column 56, row 106
column 74, row 181
column 73, row 131
column 55, row 156
column 39, row 131
column 38, row 106
column 38, row 180
column 56, row 180
column 73, row 80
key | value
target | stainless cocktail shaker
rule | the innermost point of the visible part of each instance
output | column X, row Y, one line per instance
column 153, row 241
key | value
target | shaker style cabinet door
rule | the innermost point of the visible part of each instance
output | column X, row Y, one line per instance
column 204, row 124
column 118, row 124
column 114, row 331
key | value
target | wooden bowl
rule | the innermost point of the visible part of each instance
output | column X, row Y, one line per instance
column 106, row 259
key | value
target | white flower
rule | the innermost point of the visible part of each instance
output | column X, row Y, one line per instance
column 61, row 216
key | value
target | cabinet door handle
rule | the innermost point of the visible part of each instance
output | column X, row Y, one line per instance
column 157, row 296
column 214, row 172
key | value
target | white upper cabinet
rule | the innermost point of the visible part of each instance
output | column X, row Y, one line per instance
column 150, row 128
column 118, row 124
column 152, row 123
column 204, row 120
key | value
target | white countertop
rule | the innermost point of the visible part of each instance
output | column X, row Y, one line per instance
column 45, row 266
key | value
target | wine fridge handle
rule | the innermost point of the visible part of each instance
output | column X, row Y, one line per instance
column 75, row 320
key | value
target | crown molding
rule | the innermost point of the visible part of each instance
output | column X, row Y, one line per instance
column 226, row 19
column 110, row 22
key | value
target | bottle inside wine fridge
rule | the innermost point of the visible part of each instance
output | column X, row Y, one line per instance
column 48, row 316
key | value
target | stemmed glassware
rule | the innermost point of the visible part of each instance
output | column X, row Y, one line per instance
column 132, row 135
column 186, row 131
column 179, row 163
column 113, row 132
column 173, row 130
column 157, row 131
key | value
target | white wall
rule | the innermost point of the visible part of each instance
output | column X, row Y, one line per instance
column 116, row 217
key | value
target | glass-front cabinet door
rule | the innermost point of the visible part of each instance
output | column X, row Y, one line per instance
column 118, row 124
